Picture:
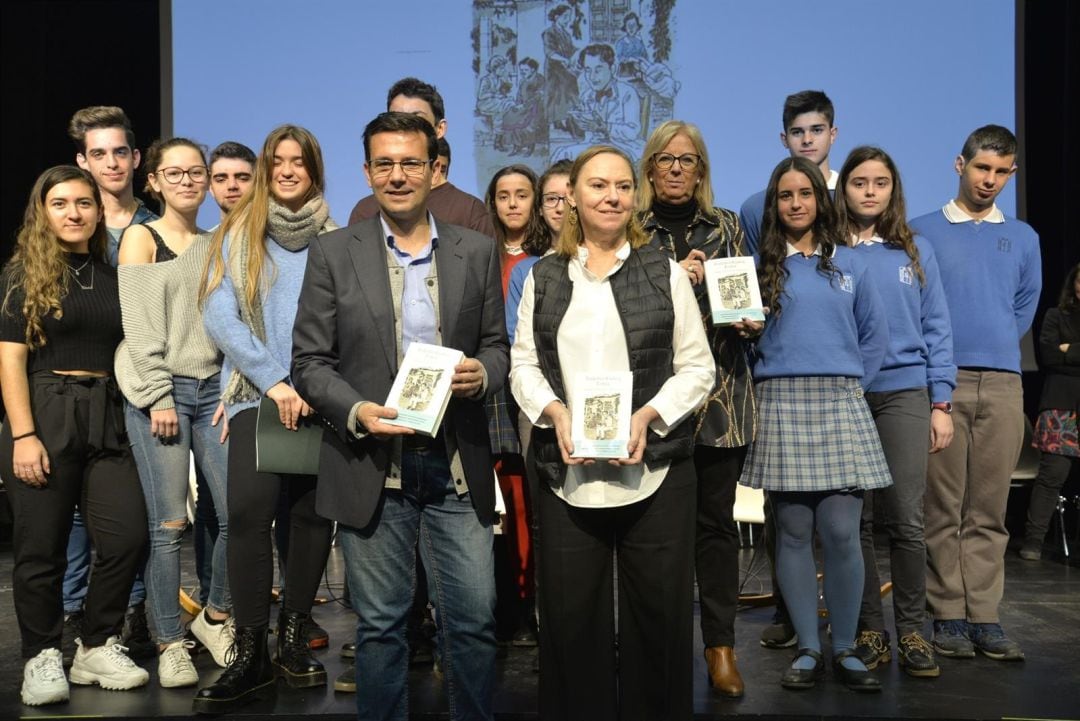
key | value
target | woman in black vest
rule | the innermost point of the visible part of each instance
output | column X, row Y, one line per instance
column 607, row 302
column 675, row 208
column 1055, row 430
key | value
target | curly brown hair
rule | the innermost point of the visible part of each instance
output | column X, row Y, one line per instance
column 773, row 247
column 38, row 267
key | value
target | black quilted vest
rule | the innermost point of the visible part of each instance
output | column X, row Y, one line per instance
column 642, row 290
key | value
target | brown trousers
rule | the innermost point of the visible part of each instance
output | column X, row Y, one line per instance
column 967, row 490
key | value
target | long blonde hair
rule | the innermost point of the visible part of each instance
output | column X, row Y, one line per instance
column 38, row 267
column 643, row 198
column 252, row 210
column 571, row 235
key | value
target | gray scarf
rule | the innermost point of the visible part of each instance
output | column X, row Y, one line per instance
column 292, row 231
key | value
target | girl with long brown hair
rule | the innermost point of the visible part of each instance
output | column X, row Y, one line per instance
column 910, row 399
column 256, row 266
column 64, row 444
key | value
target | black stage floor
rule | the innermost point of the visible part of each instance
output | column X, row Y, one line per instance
column 1041, row 610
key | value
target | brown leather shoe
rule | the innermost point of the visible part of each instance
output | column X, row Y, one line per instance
column 723, row 673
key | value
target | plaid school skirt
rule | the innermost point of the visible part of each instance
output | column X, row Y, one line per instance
column 502, row 414
column 814, row 433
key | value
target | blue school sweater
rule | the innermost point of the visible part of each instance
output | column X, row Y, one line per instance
column 992, row 276
column 267, row 363
column 828, row 326
column 919, row 354
column 750, row 216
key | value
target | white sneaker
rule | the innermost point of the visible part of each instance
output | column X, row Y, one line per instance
column 44, row 680
column 175, row 668
column 217, row 637
column 108, row 666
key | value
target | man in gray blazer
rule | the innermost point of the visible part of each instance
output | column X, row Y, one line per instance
column 370, row 290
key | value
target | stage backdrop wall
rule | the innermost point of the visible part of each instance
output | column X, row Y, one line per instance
column 914, row 77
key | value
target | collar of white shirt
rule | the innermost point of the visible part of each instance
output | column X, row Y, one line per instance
column 955, row 214
column 792, row 250
column 832, row 180
column 620, row 255
column 856, row 240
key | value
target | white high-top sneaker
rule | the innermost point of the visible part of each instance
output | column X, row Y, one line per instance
column 217, row 637
column 108, row 666
column 175, row 668
column 44, row 680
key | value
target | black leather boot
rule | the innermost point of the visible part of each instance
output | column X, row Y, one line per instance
column 248, row 677
column 293, row 660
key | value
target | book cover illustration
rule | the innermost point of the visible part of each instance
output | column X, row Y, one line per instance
column 600, row 415
column 733, row 290
column 421, row 390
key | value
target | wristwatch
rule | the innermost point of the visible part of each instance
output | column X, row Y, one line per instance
column 945, row 407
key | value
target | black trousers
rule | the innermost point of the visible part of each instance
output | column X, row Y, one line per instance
column 649, row 677
column 716, row 548
column 253, row 504
column 81, row 423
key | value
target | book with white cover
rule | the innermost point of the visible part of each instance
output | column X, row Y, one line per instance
column 421, row 390
column 733, row 290
column 600, row 414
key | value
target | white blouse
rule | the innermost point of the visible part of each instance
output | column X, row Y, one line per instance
column 591, row 339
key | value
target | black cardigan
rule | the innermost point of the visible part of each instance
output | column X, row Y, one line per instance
column 1061, row 389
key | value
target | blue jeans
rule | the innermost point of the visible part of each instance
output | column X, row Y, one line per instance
column 163, row 470
column 456, row 550
column 77, row 575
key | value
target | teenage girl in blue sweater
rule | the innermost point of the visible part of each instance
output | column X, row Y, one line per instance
column 816, row 450
column 910, row 399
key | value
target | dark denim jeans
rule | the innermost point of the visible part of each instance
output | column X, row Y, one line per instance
column 456, row 550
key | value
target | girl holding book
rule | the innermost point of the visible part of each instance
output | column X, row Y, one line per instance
column 168, row 369
column 64, row 445
column 604, row 302
column 909, row 398
column 816, row 449
column 255, row 269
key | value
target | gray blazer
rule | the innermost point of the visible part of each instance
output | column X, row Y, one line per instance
column 345, row 351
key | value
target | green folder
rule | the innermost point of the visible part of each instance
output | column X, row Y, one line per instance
column 279, row 450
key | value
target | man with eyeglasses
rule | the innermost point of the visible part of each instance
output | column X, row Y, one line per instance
column 808, row 133
column 105, row 147
column 446, row 201
column 371, row 290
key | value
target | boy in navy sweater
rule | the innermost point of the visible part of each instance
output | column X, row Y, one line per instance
column 808, row 133
column 991, row 273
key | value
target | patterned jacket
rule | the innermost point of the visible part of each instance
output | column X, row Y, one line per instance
column 727, row 419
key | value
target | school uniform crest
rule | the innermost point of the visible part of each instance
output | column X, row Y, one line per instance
column 1004, row 245
column 847, row 283
column 907, row 277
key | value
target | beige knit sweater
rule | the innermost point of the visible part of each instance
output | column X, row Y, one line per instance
column 163, row 328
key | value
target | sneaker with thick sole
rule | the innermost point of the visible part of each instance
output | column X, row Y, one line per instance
column 991, row 640
column 873, row 649
column 346, row 680
column 951, row 639
column 218, row 638
column 107, row 666
column 779, row 634
column 44, row 681
column 916, row 656
column 175, row 669
column 1031, row 553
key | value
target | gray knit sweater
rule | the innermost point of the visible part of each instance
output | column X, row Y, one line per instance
column 163, row 328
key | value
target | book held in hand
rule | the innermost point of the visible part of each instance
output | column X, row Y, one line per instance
column 600, row 414
column 421, row 390
column 733, row 290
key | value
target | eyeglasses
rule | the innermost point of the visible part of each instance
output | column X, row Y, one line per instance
column 381, row 167
column 551, row 200
column 175, row 175
column 687, row 161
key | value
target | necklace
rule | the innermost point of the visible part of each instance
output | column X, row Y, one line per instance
column 74, row 272
column 85, row 262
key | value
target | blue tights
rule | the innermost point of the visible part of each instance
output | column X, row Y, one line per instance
column 835, row 516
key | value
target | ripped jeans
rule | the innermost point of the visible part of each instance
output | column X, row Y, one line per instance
column 164, row 469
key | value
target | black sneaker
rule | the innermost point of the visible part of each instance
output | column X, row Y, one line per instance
column 872, row 648
column 779, row 634
column 951, row 639
column 135, row 634
column 991, row 640
column 72, row 631
column 916, row 656
column 346, row 680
